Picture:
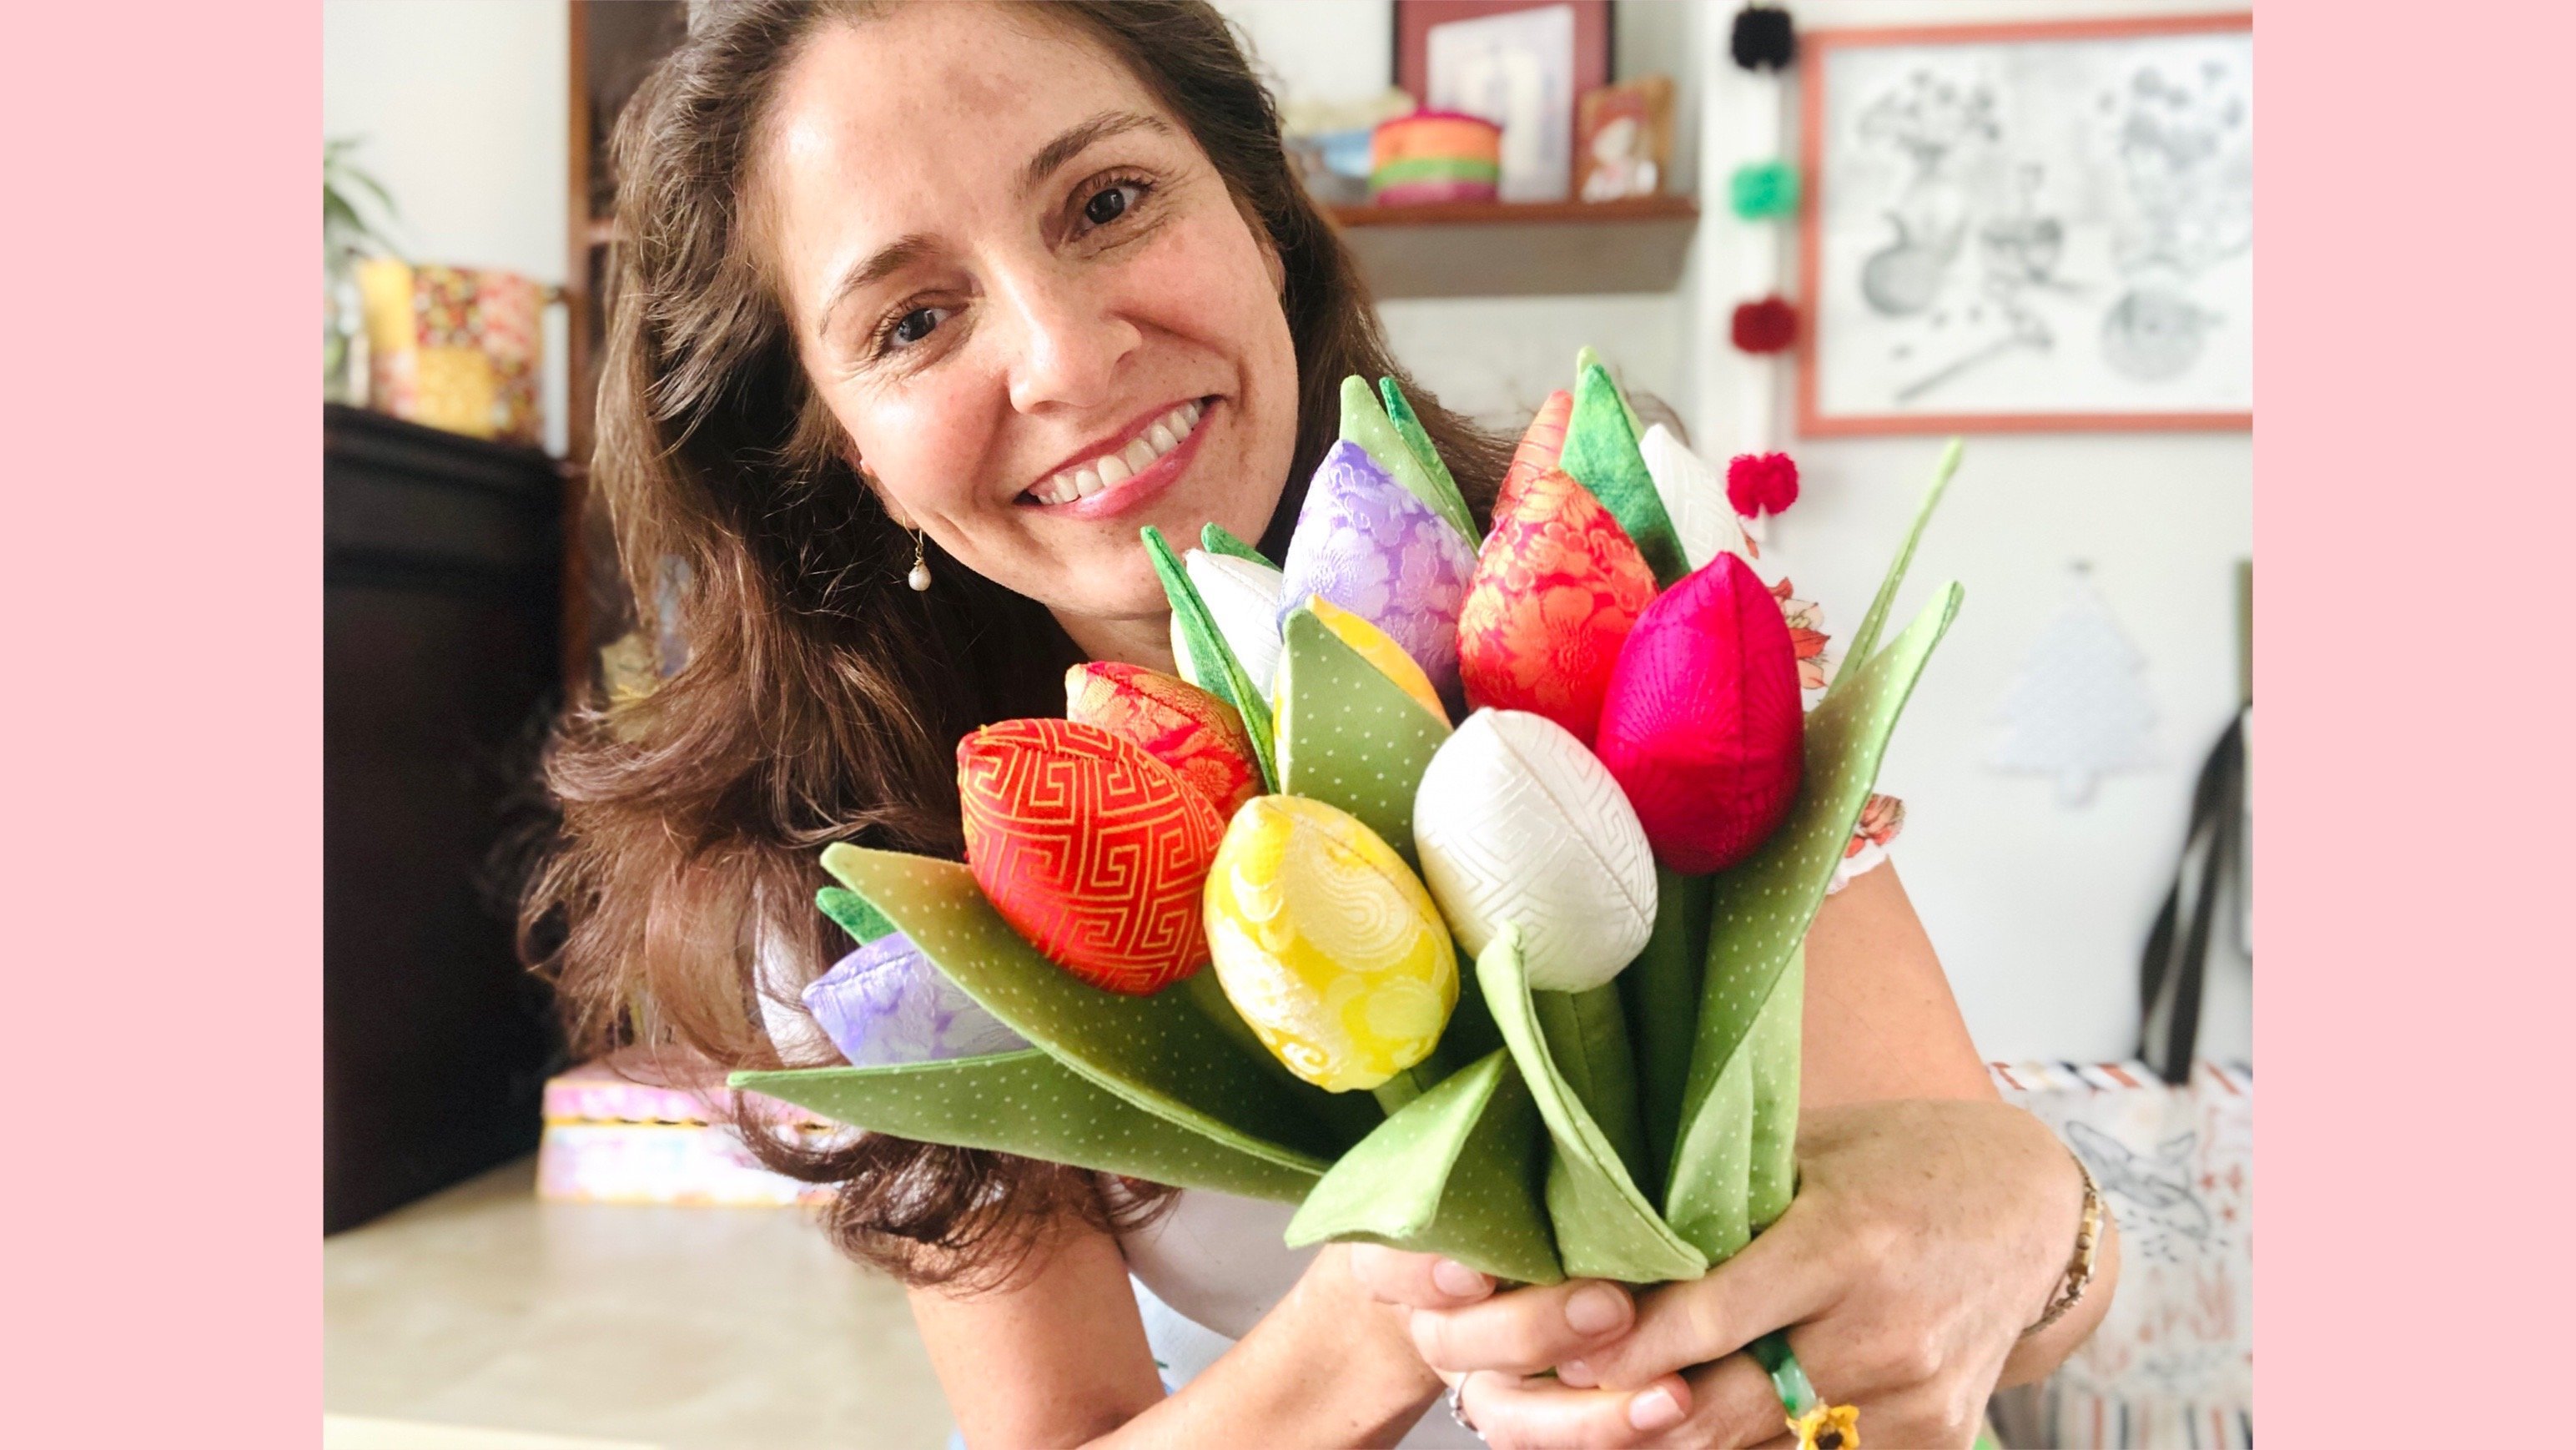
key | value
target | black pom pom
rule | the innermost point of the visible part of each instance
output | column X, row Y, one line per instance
column 1764, row 39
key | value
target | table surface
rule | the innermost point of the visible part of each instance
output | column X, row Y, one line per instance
column 482, row 1308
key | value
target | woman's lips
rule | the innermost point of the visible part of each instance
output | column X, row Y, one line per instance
column 1141, row 486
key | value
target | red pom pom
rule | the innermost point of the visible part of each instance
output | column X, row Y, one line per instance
column 1761, row 483
column 1769, row 325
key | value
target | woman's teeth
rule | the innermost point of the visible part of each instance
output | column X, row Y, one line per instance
column 1113, row 469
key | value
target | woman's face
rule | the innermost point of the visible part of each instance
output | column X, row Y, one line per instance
column 1032, row 304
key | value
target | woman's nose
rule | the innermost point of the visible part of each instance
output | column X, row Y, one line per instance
column 1070, row 340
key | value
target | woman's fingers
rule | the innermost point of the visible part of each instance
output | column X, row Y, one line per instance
column 1517, row 1414
column 1526, row 1330
column 1777, row 1280
column 1418, row 1281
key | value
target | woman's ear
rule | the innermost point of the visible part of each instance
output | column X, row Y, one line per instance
column 867, row 480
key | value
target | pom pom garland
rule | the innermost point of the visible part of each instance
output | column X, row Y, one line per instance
column 1763, row 39
column 1767, row 326
column 1761, row 483
column 1760, row 190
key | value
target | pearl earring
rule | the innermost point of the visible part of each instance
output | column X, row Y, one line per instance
column 919, row 578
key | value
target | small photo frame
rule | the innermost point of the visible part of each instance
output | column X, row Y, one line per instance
column 2029, row 227
column 1623, row 140
column 1521, row 64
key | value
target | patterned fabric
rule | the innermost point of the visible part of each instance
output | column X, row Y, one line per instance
column 1517, row 822
column 1176, row 722
column 1243, row 598
column 885, row 1003
column 1541, row 444
column 455, row 348
column 1702, row 725
column 1371, row 644
column 1368, row 545
column 1555, row 593
column 1693, row 498
column 2173, row 1362
column 1327, row 944
column 1089, row 847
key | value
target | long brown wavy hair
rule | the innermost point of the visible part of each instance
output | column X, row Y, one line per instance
column 821, row 700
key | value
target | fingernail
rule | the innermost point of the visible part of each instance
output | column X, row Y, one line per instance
column 1656, row 1409
column 1596, row 1309
column 1575, row 1374
column 1456, row 1278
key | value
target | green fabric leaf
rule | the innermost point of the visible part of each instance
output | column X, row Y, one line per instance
column 1026, row 1103
column 1365, row 423
column 1604, row 1227
column 1215, row 539
column 1160, row 1053
column 1213, row 658
column 1349, row 736
column 1601, row 453
column 1030, row 1104
column 1661, row 992
column 1586, row 357
column 1587, row 1038
column 852, row 913
column 1457, row 1172
column 1746, row 1113
column 1864, row 641
column 1399, row 411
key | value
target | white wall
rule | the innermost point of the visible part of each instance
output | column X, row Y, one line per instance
column 2040, row 912
column 462, row 107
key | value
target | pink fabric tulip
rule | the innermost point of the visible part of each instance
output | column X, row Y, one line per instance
column 1702, row 725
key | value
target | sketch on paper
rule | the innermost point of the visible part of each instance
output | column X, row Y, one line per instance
column 2036, row 226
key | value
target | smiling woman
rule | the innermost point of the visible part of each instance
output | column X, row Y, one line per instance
column 1021, row 278
column 994, row 286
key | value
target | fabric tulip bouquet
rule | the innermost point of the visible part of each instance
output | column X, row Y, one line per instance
column 1502, row 851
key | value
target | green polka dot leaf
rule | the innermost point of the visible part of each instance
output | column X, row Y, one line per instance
column 1864, row 641
column 1213, row 657
column 1456, row 1172
column 1661, row 992
column 1160, row 1053
column 1399, row 411
column 1605, row 1228
column 1365, row 423
column 1733, row 1168
column 1216, row 539
column 1601, row 453
column 1349, row 736
column 1030, row 1104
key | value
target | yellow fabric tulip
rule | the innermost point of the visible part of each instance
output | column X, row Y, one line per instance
column 1328, row 944
column 1375, row 646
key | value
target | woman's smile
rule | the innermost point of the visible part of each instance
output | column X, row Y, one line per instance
column 1127, row 470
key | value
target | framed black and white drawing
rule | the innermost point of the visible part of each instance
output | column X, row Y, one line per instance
column 2021, row 228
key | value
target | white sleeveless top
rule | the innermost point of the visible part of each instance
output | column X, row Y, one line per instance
column 1208, row 1269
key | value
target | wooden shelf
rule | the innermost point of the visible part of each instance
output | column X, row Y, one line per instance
column 1504, row 249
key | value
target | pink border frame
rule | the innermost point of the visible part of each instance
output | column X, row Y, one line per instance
column 1814, row 47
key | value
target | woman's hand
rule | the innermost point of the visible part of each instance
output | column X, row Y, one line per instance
column 1925, row 1236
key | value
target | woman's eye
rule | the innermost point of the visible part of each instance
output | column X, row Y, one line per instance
column 915, row 325
column 1110, row 203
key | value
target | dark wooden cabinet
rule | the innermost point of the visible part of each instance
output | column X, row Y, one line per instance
column 442, row 577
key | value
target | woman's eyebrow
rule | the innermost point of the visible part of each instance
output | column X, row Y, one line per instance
column 1080, row 137
column 884, row 262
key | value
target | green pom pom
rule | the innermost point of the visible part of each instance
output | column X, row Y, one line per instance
column 1764, row 189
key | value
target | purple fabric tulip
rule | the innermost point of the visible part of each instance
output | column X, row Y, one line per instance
column 885, row 1003
column 1367, row 544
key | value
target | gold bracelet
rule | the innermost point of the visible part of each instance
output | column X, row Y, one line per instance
column 2079, row 1269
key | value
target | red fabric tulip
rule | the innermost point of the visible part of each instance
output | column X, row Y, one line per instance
column 1541, row 445
column 1091, row 848
column 1557, row 587
column 1178, row 723
column 1702, row 727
